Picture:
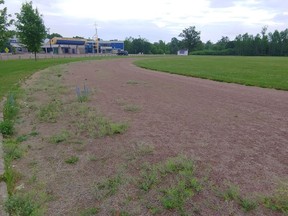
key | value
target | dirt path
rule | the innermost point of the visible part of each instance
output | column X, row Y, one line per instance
column 242, row 132
column 235, row 134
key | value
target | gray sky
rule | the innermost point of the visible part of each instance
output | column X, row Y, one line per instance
column 159, row 19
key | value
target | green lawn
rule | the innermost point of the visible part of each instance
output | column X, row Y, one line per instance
column 267, row 72
column 13, row 71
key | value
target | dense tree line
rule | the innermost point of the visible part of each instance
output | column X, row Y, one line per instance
column 263, row 44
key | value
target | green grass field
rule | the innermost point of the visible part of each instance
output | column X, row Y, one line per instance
column 12, row 72
column 267, row 72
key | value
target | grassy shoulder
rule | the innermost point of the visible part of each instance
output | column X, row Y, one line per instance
column 266, row 72
column 13, row 71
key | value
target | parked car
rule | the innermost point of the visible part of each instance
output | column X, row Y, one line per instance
column 122, row 52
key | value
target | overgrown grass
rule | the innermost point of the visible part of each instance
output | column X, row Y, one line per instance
column 72, row 160
column 278, row 201
column 14, row 71
column 89, row 212
column 107, row 187
column 22, row 204
column 95, row 124
column 50, row 112
column 267, row 72
column 59, row 137
column 132, row 108
column 184, row 183
column 10, row 110
column 232, row 193
column 12, row 151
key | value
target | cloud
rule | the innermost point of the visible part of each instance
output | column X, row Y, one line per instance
column 161, row 19
column 221, row 3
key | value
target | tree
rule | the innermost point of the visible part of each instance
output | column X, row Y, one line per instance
column 30, row 28
column 4, row 24
column 78, row 37
column 191, row 38
column 50, row 36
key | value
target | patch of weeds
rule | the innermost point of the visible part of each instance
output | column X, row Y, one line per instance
column 279, row 200
column 181, row 169
column 33, row 179
column 120, row 213
column 50, row 112
column 132, row 82
column 72, row 160
column 143, row 148
column 12, row 149
column 177, row 164
column 20, row 204
column 98, row 126
column 154, row 209
column 175, row 197
column 107, row 128
column 132, row 108
column 231, row 193
column 34, row 133
column 120, row 102
column 89, row 212
column 118, row 128
column 10, row 177
column 149, row 177
column 10, row 109
column 248, row 204
column 58, row 138
column 22, row 138
column 7, row 127
column 92, row 158
column 107, row 187
column 82, row 95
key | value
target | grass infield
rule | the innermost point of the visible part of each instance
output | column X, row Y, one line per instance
column 266, row 72
column 12, row 72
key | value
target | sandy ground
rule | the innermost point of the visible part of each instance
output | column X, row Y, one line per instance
column 238, row 133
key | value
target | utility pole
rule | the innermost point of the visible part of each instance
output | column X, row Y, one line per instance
column 96, row 39
column 51, row 50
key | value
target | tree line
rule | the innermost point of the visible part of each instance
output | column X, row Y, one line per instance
column 263, row 44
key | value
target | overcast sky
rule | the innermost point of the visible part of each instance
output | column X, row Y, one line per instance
column 159, row 19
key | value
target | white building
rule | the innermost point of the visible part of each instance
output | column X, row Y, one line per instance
column 183, row 52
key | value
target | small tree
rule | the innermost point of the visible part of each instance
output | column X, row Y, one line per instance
column 191, row 38
column 4, row 24
column 30, row 28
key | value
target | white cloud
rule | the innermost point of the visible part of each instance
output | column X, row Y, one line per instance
column 166, row 17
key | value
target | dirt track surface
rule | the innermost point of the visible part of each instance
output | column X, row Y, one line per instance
column 239, row 133
column 242, row 132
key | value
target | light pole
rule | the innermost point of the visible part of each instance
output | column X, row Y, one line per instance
column 51, row 51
